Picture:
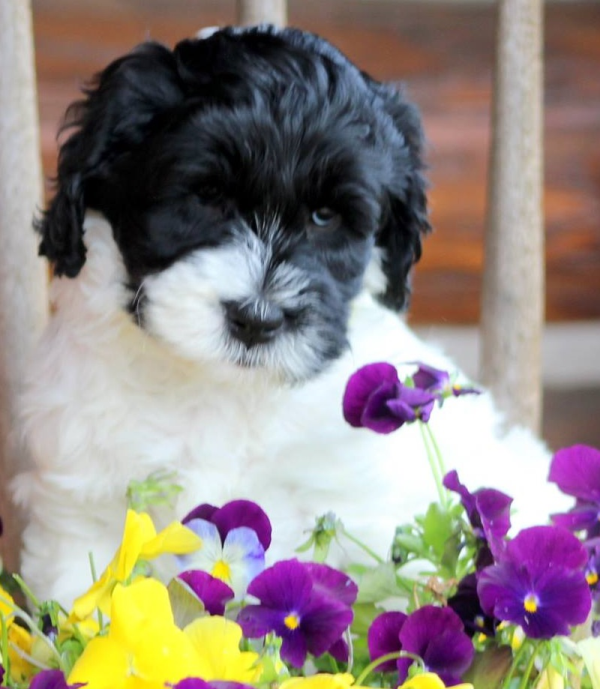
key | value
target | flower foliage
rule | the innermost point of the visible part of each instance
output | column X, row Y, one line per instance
column 461, row 601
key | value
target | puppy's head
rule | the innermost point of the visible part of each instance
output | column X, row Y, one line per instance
column 250, row 178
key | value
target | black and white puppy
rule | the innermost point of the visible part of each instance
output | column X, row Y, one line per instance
column 232, row 235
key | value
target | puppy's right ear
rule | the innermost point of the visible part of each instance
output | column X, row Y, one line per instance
column 120, row 109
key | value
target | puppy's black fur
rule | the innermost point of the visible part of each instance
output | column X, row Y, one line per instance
column 174, row 147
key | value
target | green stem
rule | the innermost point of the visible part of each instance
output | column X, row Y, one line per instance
column 27, row 591
column 366, row 548
column 438, row 455
column 95, row 579
column 433, row 464
column 383, row 659
column 25, row 656
column 527, row 674
column 515, row 664
column 4, row 648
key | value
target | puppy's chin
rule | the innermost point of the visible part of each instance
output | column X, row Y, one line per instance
column 184, row 308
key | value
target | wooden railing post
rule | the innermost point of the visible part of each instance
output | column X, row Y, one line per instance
column 512, row 315
column 250, row 12
column 23, row 276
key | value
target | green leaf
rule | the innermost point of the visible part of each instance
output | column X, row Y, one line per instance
column 185, row 603
column 378, row 583
column 437, row 528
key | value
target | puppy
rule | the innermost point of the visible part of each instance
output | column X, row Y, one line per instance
column 232, row 235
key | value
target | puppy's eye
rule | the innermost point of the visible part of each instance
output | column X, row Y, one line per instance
column 325, row 218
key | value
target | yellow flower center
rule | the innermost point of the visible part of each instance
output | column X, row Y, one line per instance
column 530, row 603
column 291, row 621
column 591, row 578
column 222, row 571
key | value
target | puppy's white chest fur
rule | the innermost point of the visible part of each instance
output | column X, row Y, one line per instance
column 106, row 404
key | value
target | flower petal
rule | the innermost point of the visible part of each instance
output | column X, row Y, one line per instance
column 436, row 635
column 383, row 637
column 329, row 581
column 213, row 592
column 244, row 556
column 576, row 471
column 361, row 385
column 542, row 547
column 243, row 513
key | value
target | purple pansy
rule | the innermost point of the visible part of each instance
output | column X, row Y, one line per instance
column 539, row 583
column 383, row 637
column 438, row 637
column 376, row 399
column 213, row 592
column 233, row 515
column 433, row 633
column 437, row 381
column 466, row 604
column 197, row 683
column 592, row 568
column 576, row 472
column 51, row 679
column 307, row 605
column 488, row 511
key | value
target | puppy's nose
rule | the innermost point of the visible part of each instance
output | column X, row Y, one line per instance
column 254, row 323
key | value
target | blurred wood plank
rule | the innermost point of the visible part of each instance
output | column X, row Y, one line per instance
column 443, row 52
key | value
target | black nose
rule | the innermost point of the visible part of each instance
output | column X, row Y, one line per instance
column 254, row 323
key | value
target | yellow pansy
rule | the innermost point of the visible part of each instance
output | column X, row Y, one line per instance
column 140, row 542
column 550, row 679
column 321, row 681
column 217, row 641
column 7, row 607
column 19, row 638
column 430, row 681
column 143, row 649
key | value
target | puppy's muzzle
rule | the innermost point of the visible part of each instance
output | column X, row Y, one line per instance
column 254, row 323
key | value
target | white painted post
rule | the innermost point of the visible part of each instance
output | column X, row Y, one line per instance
column 512, row 315
column 250, row 12
column 23, row 276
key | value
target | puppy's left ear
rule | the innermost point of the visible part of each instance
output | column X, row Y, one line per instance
column 405, row 218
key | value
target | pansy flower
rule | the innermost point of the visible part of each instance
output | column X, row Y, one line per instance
column 322, row 680
column 488, row 511
column 466, row 604
column 217, row 642
column 143, row 642
column 213, row 592
column 52, row 679
column 592, row 568
column 383, row 637
column 197, row 683
column 539, row 583
column 140, row 542
column 233, row 515
column 235, row 539
column 429, row 680
column 576, row 472
column 308, row 606
column 376, row 399
column 437, row 381
column 235, row 561
column 433, row 633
